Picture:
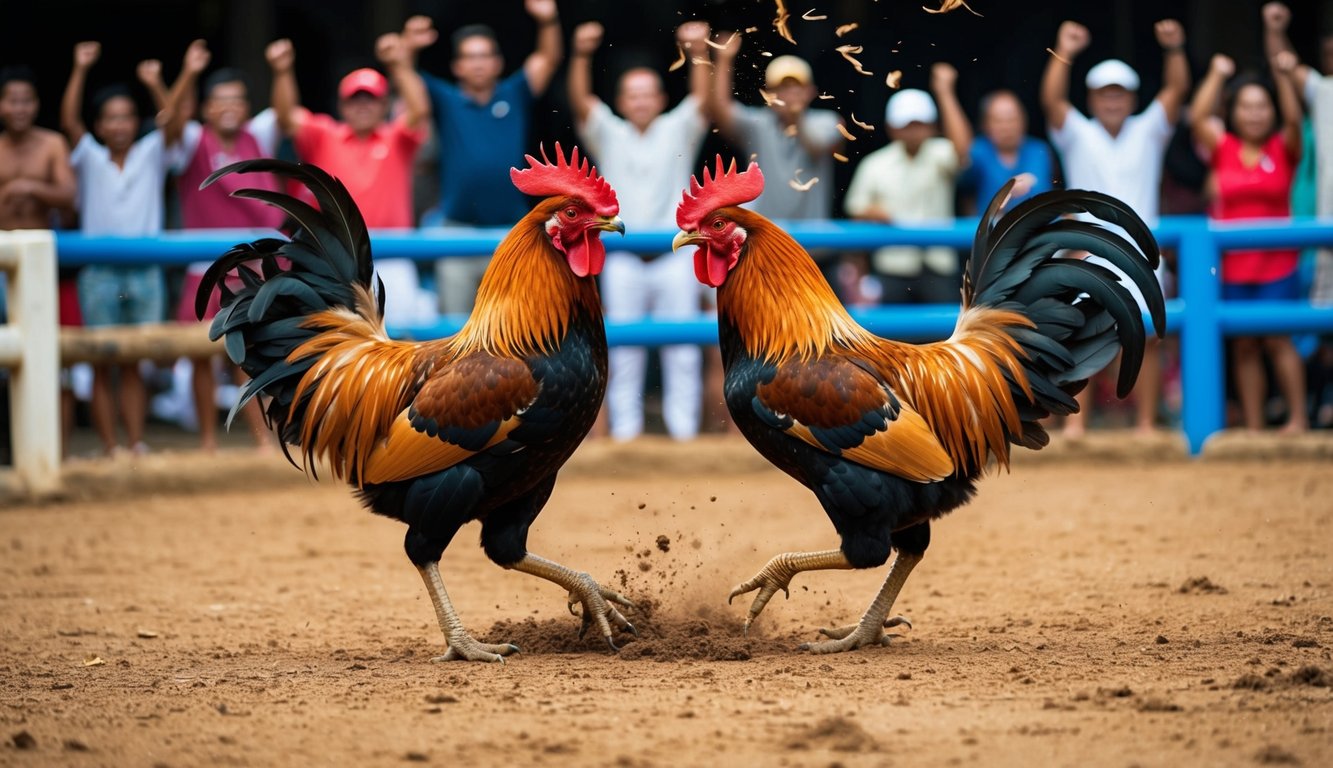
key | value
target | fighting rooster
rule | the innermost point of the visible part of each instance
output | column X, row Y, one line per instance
column 435, row 434
column 890, row 436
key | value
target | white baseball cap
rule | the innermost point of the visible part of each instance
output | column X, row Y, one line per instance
column 1113, row 72
column 910, row 106
column 788, row 67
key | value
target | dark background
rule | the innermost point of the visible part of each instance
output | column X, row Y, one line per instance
column 1004, row 48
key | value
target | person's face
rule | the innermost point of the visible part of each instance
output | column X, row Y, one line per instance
column 227, row 108
column 1005, row 123
column 117, row 123
column 1252, row 113
column 18, row 106
column 794, row 95
column 640, row 97
column 362, row 112
column 478, row 63
column 1111, row 106
column 912, row 135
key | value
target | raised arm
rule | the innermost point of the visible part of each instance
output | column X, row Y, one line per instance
column 1071, row 40
column 71, row 104
column 286, row 98
column 149, row 73
column 1288, row 100
column 399, row 62
column 1204, row 123
column 541, row 64
column 1175, row 67
column 587, row 39
column 721, row 102
column 692, row 36
column 1277, row 18
column 953, row 121
column 182, row 100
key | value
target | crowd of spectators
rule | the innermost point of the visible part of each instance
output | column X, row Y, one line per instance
column 1265, row 157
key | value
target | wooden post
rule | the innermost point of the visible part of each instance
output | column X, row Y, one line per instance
column 29, row 347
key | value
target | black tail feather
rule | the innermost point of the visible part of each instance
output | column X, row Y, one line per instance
column 263, row 320
column 1083, row 314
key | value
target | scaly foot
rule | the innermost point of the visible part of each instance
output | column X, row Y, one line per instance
column 599, row 604
column 464, row 648
column 777, row 574
column 855, row 636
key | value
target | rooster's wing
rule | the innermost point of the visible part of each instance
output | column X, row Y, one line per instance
column 842, row 407
column 464, row 407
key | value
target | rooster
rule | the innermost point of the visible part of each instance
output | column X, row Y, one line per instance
column 890, row 436
column 440, row 433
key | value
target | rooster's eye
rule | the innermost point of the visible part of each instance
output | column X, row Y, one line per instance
column 571, row 212
column 718, row 225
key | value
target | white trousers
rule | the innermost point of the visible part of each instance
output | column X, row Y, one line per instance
column 663, row 288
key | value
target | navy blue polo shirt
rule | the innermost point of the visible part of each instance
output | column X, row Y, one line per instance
column 478, row 144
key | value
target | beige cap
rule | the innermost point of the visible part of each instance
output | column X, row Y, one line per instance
column 788, row 68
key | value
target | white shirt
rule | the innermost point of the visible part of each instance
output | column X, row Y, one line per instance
column 648, row 170
column 1127, row 166
column 784, row 159
column 121, row 201
column 912, row 190
column 263, row 127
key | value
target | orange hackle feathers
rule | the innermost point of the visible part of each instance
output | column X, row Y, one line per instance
column 566, row 178
column 784, row 310
column 722, row 189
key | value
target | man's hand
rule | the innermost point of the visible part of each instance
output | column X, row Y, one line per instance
column 197, row 57
column 587, row 38
column 541, row 11
column 1072, row 39
column 943, row 77
column 1277, row 17
column 1222, row 65
column 692, row 34
column 419, row 32
column 281, row 55
column 15, row 191
column 149, row 72
column 1170, row 35
column 86, row 54
column 730, row 42
column 1286, row 62
column 390, row 50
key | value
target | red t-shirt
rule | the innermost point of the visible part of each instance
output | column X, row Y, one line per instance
column 1261, row 191
column 377, row 170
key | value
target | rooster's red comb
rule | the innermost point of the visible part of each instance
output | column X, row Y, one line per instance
column 723, row 188
column 545, row 179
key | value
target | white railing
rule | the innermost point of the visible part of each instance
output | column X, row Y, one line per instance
column 29, row 348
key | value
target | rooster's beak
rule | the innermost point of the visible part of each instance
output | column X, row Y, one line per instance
column 611, row 224
column 685, row 238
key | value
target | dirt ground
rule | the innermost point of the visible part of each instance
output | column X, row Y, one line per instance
column 1078, row 613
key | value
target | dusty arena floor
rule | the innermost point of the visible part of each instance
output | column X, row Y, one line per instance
column 1079, row 613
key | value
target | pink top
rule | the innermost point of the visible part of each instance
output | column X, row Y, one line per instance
column 214, row 207
column 377, row 170
column 1261, row 191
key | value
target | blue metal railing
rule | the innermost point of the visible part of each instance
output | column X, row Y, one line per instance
column 1200, row 316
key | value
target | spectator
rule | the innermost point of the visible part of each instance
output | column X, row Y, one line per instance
column 1119, row 153
column 1253, row 155
column 227, row 135
column 481, row 124
column 785, row 136
column 369, row 152
column 36, row 181
column 1004, row 150
column 648, row 156
column 120, row 179
column 912, row 181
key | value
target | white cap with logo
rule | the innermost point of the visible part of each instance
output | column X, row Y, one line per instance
column 910, row 106
column 1113, row 72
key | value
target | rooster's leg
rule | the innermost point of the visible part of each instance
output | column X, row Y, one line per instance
column 461, row 644
column 870, row 630
column 599, row 603
column 778, row 572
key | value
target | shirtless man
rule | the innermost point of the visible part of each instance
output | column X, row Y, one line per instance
column 35, row 175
